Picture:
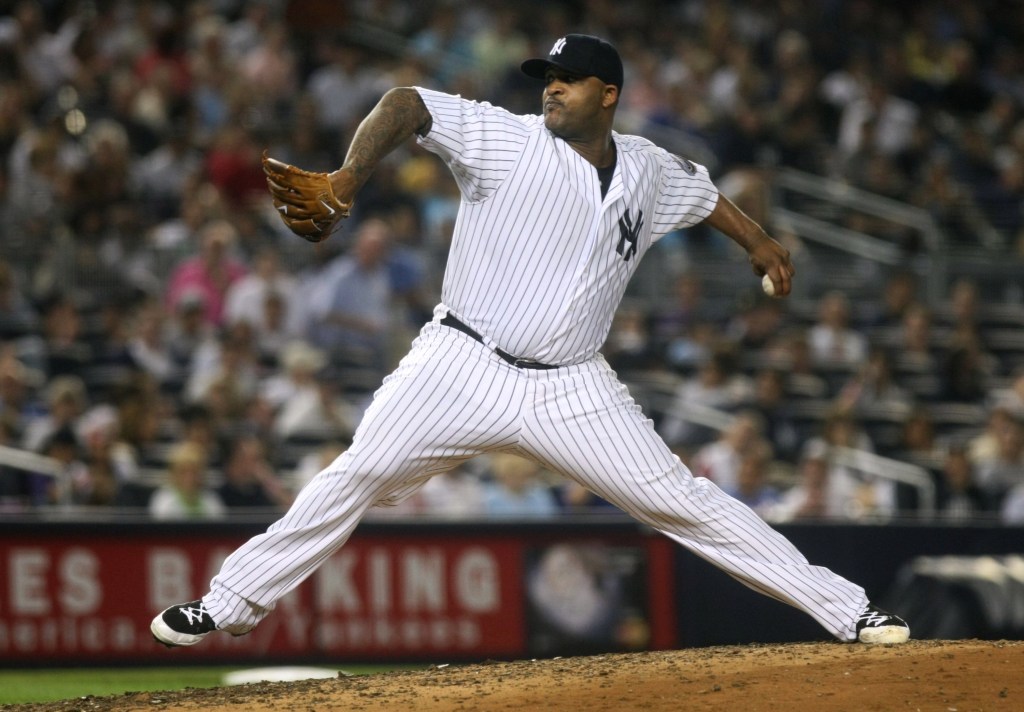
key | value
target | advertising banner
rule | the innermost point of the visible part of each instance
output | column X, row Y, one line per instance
column 408, row 595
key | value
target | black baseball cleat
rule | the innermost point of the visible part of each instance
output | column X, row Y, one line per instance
column 183, row 624
column 877, row 627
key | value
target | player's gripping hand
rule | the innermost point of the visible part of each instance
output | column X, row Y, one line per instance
column 305, row 200
column 769, row 258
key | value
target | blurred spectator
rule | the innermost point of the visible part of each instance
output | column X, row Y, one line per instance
column 104, row 473
column 965, row 370
column 628, row 347
column 959, row 498
column 1012, row 510
column 307, row 143
column 1004, row 469
column 271, row 67
column 443, row 45
column 675, row 324
column 164, row 63
column 752, row 486
column 770, row 404
column 831, row 338
column 454, row 494
column 984, row 446
column 852, row 493
column 148, row 344
column 1011, row 398
column 108, row 339
column 874, row 386
column 184, row 494
column 177, row 236
column 210, row 273
column 18, row 317
column 47, row 57
column 499, row 45
column 304, row 404
column 66, row 401
column 878, row 119
column 351, row 304
column 249, row 479
column 914, row 348
column 187, row 331
column 163, row 176
column 792, row 352
column 139, row 419
column 62, row 349
column 807, row 499
column 265, row 298
column 964, row 93
column 17, row 486
column 899, row 292
column 918, row 441
column 243, row 34
column 720, row 461
column 341, row 84
column 228, row 365
column 18, row 386
column 964, row 305
column 516, row 489
column 949, row 201
column 233, row 165
column 759, row 320
column 717, row 384
column 198, row 426
column 415, row 279
column 71, row 484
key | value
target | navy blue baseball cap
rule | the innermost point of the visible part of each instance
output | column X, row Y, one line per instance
column 584, row 55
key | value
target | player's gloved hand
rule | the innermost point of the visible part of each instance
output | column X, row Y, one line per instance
column 305, row 200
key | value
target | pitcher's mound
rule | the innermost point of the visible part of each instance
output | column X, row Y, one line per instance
column 817, row 677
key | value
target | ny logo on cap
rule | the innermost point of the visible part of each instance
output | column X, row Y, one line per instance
column 558, row 47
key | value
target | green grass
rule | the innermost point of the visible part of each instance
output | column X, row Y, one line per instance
column 49, row 685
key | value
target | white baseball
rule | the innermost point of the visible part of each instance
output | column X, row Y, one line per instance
column 768, row 286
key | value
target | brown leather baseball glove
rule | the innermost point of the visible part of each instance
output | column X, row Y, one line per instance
column 305, row 200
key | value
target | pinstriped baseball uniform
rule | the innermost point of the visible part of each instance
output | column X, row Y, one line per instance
column 538, row 263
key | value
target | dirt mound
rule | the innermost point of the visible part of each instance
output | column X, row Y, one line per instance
column 920, row 675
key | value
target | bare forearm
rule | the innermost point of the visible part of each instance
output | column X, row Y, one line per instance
column 766, row 255
column 398, row 115
column 728, row 219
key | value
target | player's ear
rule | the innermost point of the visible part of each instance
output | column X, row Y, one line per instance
column 611, row 96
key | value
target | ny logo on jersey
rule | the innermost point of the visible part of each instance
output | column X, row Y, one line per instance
column 628, row 232
column 558, row 47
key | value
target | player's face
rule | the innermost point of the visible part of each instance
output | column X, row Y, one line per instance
column 572, row 103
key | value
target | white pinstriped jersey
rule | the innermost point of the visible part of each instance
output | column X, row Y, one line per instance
column 539, row 261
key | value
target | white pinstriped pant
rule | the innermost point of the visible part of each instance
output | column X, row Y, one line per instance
column 450, row 399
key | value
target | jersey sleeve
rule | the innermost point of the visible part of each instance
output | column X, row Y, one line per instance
column 479, row 142
column 686, row 196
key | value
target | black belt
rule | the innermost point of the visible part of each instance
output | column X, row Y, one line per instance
column 454, row 323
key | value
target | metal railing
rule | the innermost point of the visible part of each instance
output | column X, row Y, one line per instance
column 885, row 468
column 893, row 470
column 839, row 194
column 30, row 462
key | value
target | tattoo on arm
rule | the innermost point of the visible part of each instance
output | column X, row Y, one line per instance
column 399, row 114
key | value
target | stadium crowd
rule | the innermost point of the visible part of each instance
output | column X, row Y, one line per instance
column 170, row 347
